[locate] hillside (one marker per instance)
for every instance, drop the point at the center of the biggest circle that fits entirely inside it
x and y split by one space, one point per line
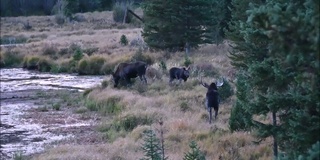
139 108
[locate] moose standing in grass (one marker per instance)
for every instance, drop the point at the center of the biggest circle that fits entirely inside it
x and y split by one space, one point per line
212 98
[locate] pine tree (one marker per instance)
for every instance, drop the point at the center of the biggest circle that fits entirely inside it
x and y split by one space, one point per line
279 55
195 153
170 25
151 146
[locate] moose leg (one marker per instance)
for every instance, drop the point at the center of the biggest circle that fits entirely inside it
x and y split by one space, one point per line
215 113
210 115
127 81
143 78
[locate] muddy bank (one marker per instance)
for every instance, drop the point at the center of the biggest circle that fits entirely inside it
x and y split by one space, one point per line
30 122
40 110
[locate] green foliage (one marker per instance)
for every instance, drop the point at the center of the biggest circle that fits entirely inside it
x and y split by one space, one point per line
122 125
105 107
312 154
104 84
240 119
139 56
276 48
184 106
37 63
123 40
195 153
18 156
151 146
187 61
71 7
170 25
56 106
44 65
225 91
10 59
77 55
91 65
129 122
163 65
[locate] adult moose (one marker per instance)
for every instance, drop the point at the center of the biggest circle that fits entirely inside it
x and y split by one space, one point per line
126 71
212 98
179 74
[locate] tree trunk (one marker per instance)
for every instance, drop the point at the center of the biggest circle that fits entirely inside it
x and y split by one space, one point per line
275 143
125 16
187 47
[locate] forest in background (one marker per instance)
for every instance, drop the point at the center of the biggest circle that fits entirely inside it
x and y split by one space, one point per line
13 8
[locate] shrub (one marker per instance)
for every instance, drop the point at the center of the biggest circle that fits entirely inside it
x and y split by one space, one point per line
187 61
184 106
152 73
77 54
26 25
60 19
56 106
129 122
105 107
141 87
91 66
122 125
163 65
32 63
63 51
139 56
50 51
107 68
83 66
44 65
96 63
123 40
138 42
68 65
10 59
90 51
79 18
37 63
104 83
225 91
73 48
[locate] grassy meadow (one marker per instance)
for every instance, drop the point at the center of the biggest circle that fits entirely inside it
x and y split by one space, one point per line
127 112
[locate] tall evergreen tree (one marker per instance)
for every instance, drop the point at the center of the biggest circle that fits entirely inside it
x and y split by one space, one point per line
279 54
173 24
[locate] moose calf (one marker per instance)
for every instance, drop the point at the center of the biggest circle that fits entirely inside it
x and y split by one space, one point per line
179 74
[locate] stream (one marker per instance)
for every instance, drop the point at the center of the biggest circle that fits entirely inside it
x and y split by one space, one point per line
24 128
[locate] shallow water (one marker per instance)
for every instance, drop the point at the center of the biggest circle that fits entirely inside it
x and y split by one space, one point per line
19 79
23 135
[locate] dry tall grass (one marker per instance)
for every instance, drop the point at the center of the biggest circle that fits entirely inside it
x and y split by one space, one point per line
181 107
